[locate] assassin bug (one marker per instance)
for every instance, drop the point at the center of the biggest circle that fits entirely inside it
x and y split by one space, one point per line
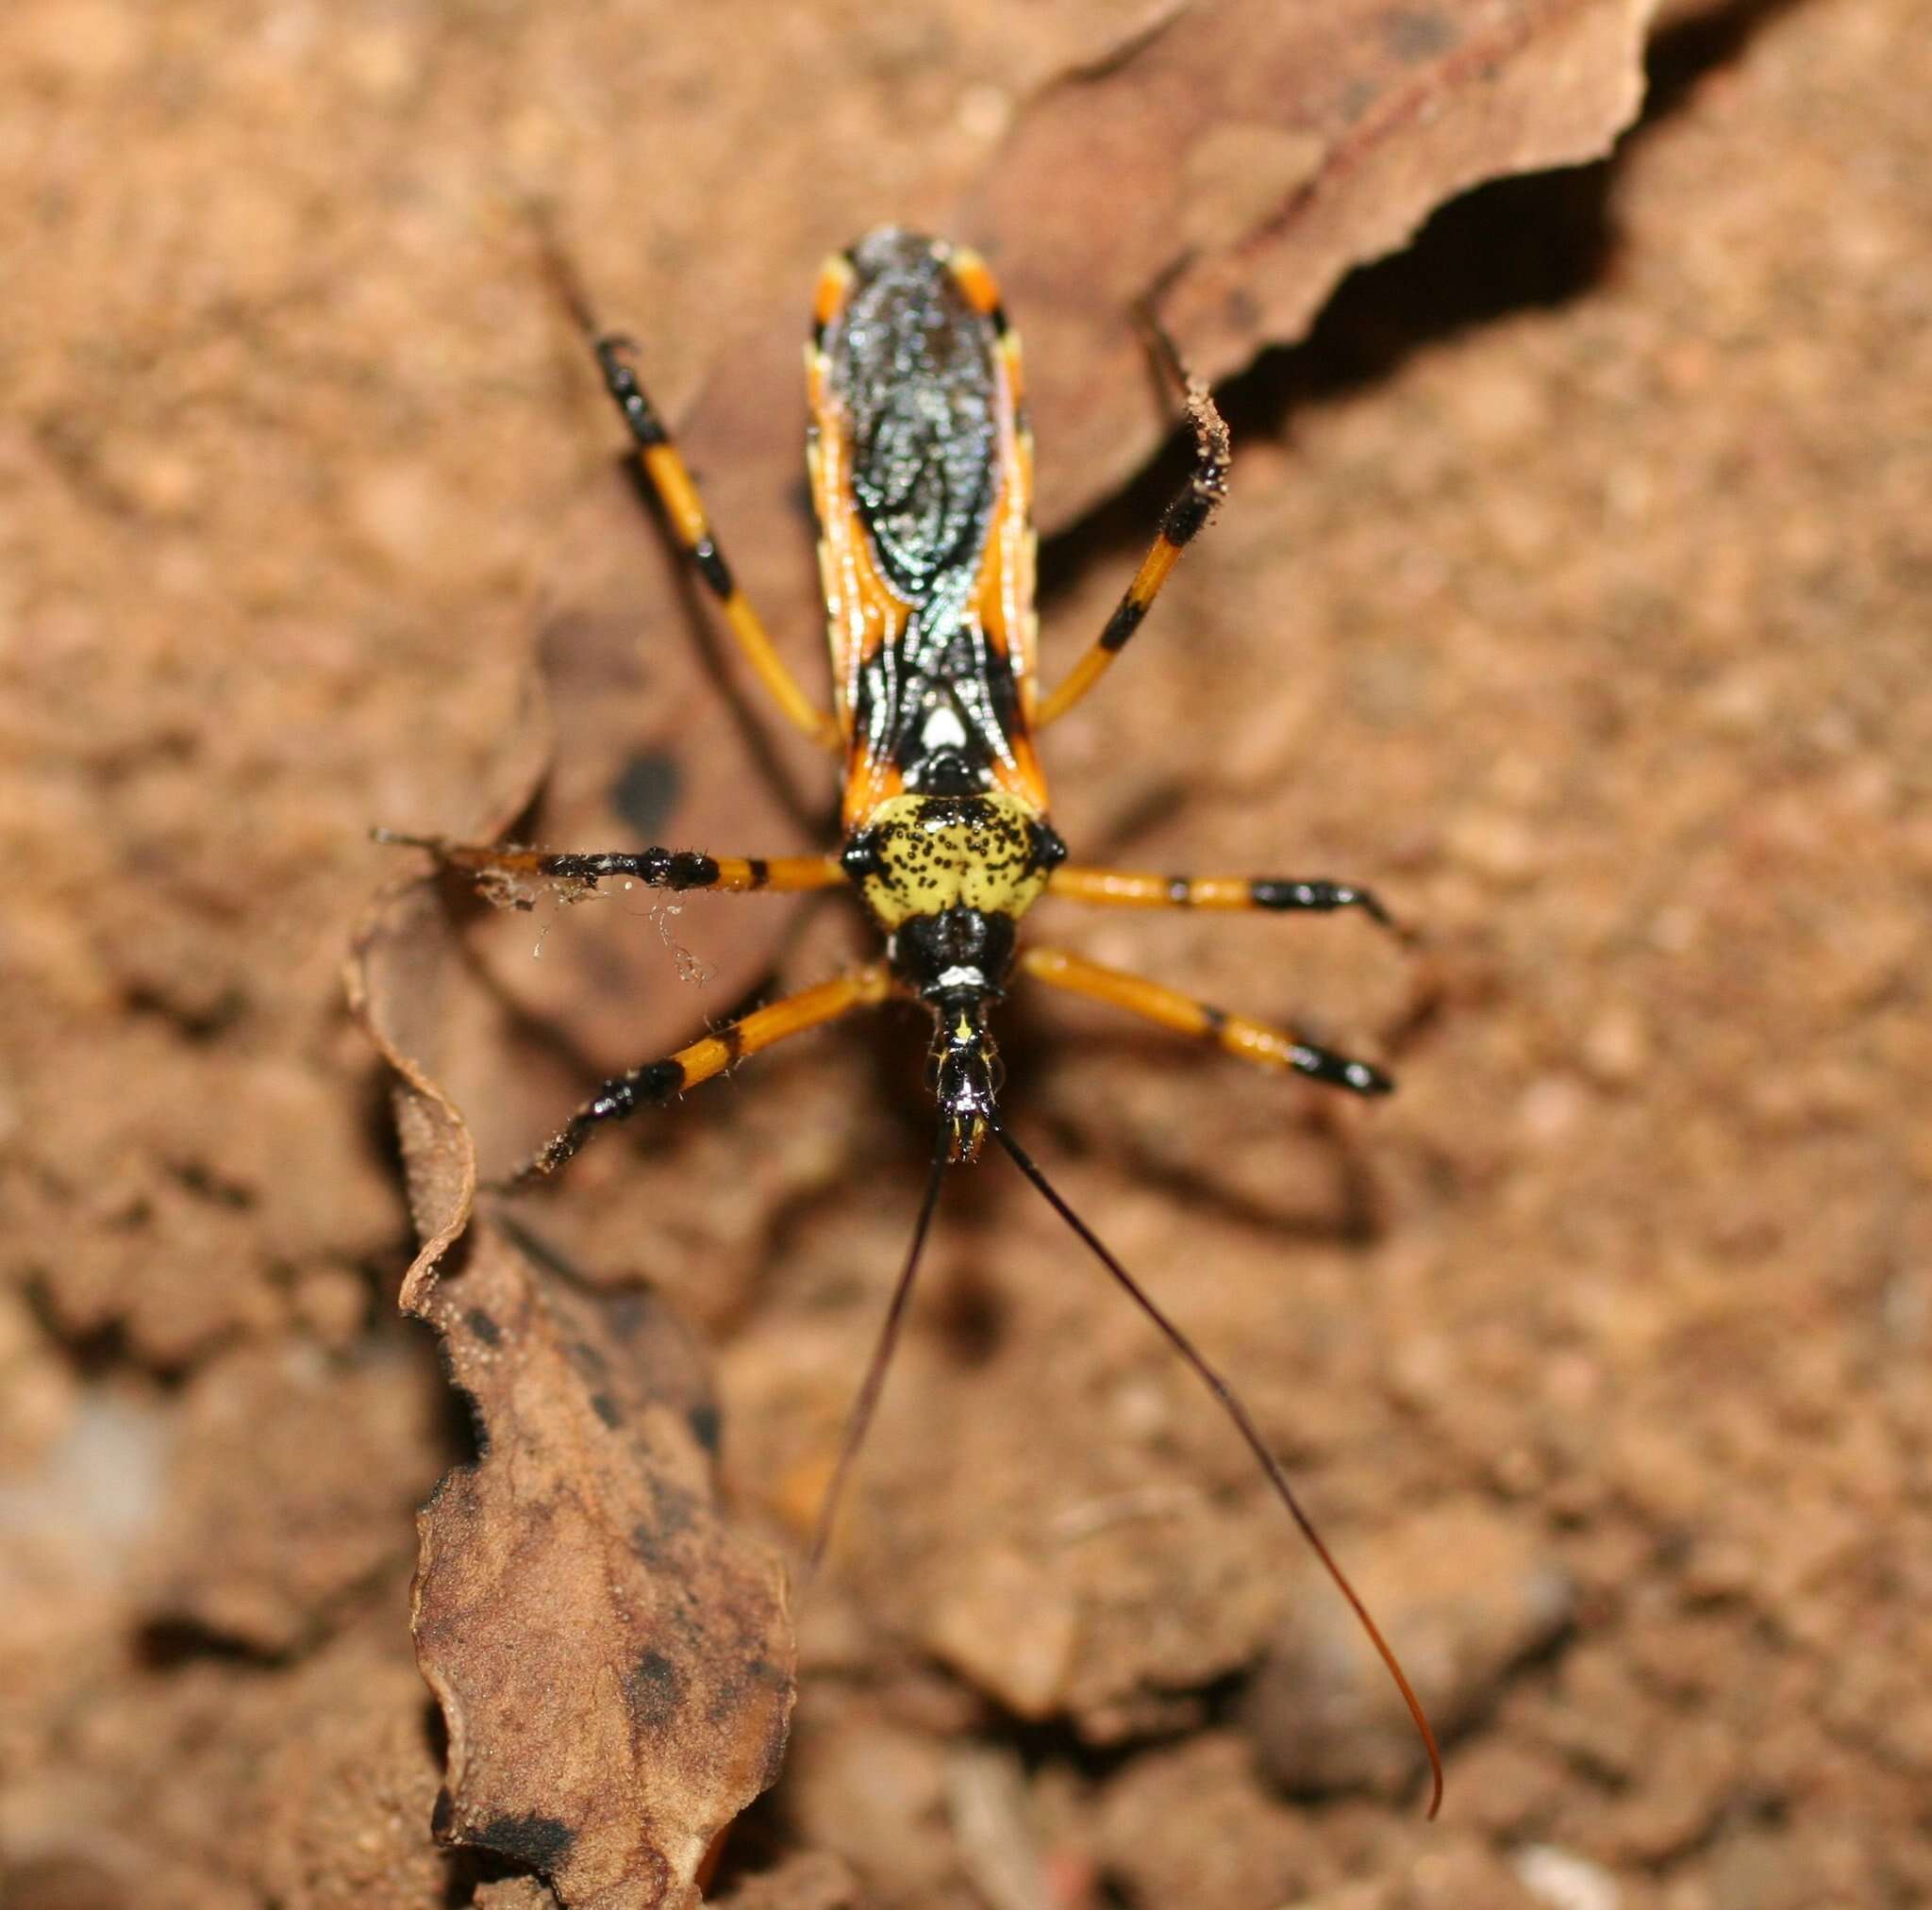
921 466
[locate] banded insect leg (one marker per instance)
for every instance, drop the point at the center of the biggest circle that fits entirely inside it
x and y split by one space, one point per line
670 479
1180 522
657 1082
1257 1042
507 872
1133 888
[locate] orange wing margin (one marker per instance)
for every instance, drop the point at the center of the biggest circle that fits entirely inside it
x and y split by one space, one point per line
864 612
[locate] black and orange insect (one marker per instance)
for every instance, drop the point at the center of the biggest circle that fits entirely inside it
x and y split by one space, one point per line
921 466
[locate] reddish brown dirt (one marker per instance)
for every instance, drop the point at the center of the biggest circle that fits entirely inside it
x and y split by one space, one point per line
1573 591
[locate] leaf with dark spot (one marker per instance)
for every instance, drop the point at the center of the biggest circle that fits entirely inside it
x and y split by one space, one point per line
646 792
651 1690
538 1843
612 1662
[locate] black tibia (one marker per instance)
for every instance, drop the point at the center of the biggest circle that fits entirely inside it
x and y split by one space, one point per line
622 382
1290 892
1128 615
654 868
505 872
1207 484
1338 1070
650 1085
1287 895
712 566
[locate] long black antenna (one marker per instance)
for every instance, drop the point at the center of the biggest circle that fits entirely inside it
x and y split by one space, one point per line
859 1420
1239 1414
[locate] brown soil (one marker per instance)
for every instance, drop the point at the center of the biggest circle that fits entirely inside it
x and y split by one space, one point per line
1574 593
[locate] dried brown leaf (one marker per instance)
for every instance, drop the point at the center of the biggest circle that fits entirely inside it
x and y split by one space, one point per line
404 984
614 1664
1239 160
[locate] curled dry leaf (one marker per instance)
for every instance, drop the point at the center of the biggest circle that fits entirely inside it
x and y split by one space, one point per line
613 1663
1238 161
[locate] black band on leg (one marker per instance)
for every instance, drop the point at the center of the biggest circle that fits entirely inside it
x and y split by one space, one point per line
650 1085
1291 893
1127 619
712 566
646 428
1184 516
655 868
1320 1064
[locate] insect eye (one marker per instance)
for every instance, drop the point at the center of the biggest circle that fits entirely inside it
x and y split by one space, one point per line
1049 847
861 857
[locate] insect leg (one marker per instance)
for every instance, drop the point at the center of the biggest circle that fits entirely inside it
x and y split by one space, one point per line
1131 889
1189 509
658 1082
1257 1041
505 872
670 478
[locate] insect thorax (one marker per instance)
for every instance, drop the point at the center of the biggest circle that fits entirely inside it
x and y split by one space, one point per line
947 878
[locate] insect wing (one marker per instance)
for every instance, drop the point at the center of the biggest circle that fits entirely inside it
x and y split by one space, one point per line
922 477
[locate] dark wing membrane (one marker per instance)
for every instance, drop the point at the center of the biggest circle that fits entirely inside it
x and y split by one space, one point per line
920 482
912 363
